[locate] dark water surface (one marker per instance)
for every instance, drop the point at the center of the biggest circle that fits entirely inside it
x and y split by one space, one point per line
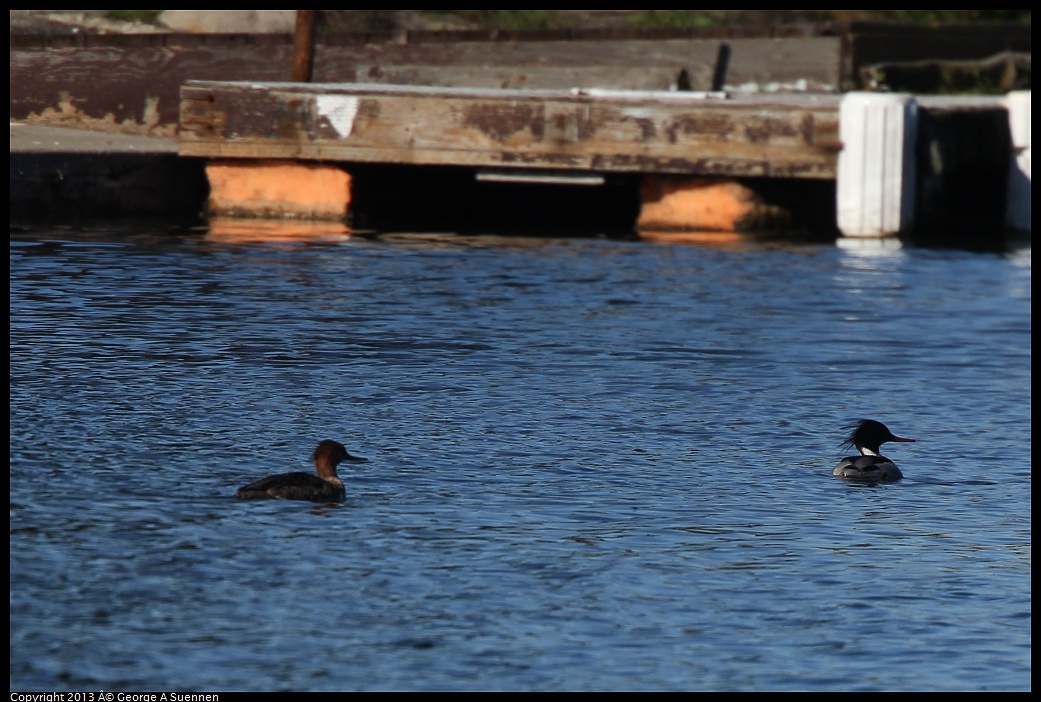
593 465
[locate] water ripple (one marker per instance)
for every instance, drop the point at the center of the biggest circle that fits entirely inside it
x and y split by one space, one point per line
594 465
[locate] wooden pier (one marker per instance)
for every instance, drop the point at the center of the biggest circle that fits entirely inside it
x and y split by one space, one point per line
700 156
678 143
702 134
640 113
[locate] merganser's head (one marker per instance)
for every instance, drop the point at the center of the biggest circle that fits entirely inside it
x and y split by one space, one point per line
868 435
330 454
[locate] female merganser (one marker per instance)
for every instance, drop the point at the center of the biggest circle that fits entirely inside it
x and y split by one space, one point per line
867 436
324 487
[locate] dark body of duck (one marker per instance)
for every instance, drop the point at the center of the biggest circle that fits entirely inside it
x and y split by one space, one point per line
868 436
326 486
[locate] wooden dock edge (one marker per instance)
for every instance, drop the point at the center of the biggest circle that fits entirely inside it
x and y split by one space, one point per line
926 167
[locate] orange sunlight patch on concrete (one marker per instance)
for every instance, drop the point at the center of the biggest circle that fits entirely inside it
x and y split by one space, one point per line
278 189
681 203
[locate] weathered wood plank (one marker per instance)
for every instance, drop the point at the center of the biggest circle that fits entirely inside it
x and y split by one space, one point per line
610 131
810 62
124 88
129 81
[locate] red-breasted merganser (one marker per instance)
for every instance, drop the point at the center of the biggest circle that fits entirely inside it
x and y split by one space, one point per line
868 436
324 487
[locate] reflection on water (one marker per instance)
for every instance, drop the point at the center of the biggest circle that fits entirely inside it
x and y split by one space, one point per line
594 464
239 231
869 247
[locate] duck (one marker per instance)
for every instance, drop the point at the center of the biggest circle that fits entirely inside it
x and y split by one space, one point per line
867 436
324 487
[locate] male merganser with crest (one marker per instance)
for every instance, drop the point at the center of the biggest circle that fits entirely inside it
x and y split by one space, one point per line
324 487
867 437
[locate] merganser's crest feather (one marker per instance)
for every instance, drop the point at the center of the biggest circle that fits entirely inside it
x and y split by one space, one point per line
868 436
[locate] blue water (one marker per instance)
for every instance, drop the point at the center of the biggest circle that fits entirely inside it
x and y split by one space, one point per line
594 465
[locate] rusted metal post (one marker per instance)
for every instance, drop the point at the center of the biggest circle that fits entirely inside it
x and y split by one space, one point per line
719 76
303 46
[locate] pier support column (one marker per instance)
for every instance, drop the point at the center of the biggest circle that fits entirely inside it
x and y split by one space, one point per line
278 190
684 203
875 186
1018 213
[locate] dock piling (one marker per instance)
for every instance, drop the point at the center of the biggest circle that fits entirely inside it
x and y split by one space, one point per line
875 185
1017 215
